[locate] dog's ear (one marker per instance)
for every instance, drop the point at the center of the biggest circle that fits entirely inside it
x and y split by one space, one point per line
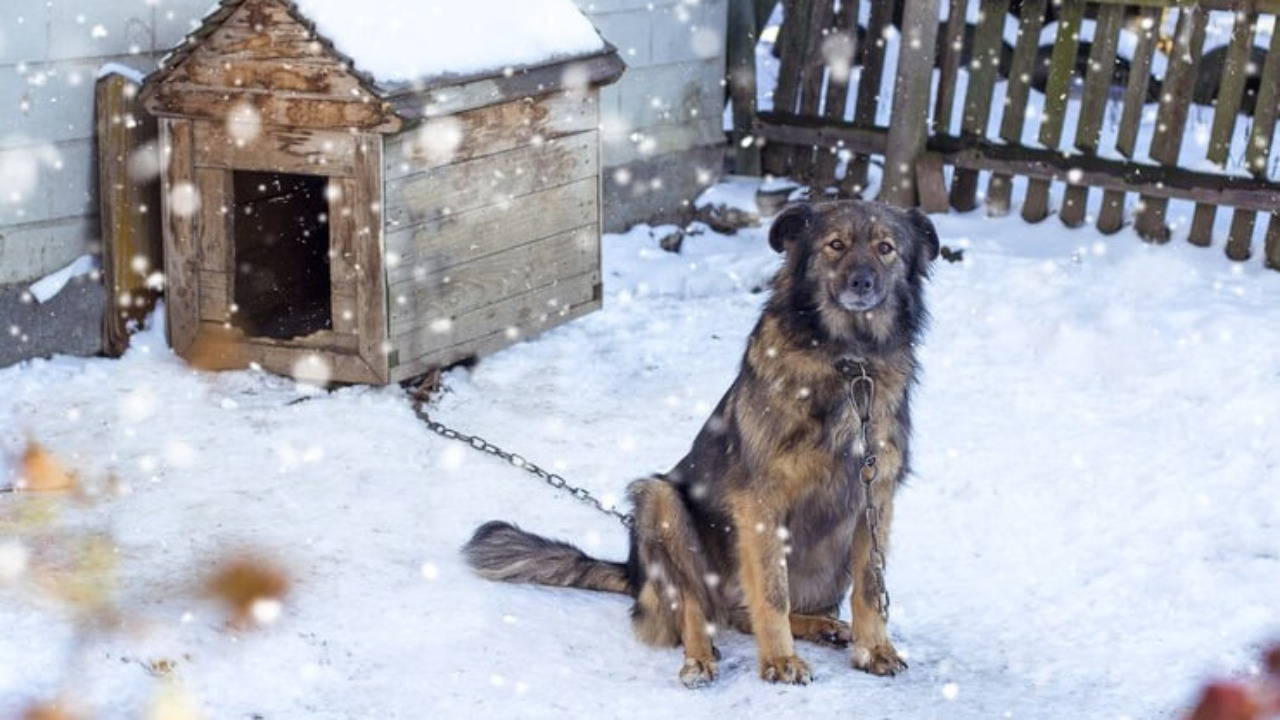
790 224
925 231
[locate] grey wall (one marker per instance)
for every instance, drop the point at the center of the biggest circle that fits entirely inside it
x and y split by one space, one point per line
662 122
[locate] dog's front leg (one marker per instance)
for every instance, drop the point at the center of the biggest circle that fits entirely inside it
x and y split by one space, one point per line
872 649
762 567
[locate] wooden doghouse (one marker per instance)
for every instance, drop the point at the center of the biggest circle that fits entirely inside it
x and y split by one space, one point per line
314 212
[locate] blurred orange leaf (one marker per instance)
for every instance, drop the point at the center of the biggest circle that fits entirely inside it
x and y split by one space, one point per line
41 471
251 588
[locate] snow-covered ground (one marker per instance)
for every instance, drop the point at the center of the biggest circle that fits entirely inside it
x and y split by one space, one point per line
1092 530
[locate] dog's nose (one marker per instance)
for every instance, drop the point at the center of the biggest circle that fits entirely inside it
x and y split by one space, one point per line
863 281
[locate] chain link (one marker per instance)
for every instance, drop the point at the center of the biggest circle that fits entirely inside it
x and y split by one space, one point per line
550 478
862 393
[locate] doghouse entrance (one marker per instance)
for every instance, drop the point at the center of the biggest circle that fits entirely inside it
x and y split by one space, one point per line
281 245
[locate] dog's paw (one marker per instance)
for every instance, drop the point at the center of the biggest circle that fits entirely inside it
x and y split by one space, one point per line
698 672
789 669
834 634
878 660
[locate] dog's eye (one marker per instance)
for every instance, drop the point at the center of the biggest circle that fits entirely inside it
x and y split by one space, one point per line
836 244
885 248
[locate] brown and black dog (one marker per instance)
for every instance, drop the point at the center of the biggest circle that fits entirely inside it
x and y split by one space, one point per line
762 525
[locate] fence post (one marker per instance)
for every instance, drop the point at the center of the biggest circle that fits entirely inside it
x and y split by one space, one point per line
743 33
909 122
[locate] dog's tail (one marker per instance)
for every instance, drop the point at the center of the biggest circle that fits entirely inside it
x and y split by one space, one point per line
502 551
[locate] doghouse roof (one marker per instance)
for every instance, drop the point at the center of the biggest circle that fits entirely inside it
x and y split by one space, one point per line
374 63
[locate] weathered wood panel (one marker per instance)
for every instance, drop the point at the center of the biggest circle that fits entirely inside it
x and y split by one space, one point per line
1111 214
458 238
179 215
456 289
872 56
216 256
301 151
447 340
129 206
907 136
977 101
1097 87
344 253
1014 117
371 279
439 142
1061 68
491 179
1171 119
1258 151
319 77
299 110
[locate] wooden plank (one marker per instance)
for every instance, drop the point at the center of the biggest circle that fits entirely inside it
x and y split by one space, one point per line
1097 88
1240 236
776 158
1230 93
179 214
319 76
869 84
344 255
1062 65
371 279
987 44
1111 214
1258 153
489 179
844 39
217 197
910 124
283 150
814 72
215 289
931 183
454 290
455 239
1014 117
129 208
952 47
1171 120
449 95
286 109
449 339
740 50
489 130
1272 254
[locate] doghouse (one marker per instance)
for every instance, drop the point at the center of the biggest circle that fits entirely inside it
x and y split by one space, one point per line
379 200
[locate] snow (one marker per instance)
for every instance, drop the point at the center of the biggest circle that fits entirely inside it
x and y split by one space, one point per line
1090 530
50 285
411 40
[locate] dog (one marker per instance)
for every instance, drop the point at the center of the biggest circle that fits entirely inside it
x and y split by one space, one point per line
763 526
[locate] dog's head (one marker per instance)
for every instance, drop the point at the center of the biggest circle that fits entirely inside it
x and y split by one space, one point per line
860 264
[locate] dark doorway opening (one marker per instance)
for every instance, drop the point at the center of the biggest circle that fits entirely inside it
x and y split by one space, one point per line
281 244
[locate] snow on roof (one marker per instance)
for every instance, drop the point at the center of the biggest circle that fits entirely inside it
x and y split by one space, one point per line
404 40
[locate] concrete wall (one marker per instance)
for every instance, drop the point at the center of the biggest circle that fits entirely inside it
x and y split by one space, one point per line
662 122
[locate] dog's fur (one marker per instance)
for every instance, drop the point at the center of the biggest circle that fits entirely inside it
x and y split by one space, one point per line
761 525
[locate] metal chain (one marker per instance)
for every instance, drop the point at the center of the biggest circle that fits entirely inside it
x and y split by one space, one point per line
552 479
869 472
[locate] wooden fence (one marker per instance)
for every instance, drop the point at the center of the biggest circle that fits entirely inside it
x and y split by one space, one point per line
823 120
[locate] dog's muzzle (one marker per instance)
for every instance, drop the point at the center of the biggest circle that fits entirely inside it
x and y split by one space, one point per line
862 292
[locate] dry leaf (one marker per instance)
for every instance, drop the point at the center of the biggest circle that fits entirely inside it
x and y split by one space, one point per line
42 472
251 588
52 710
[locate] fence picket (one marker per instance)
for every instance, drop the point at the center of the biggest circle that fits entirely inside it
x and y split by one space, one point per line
1061 69
1111 214
977 102
1171 119
1014 117
864 113
1258 152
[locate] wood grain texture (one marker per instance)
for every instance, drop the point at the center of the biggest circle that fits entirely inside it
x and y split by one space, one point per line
1111 214
129 208
286 150
987 43
1014 117
180 214
448 339
489 179
1062 65
459 238
1097 88
490 130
